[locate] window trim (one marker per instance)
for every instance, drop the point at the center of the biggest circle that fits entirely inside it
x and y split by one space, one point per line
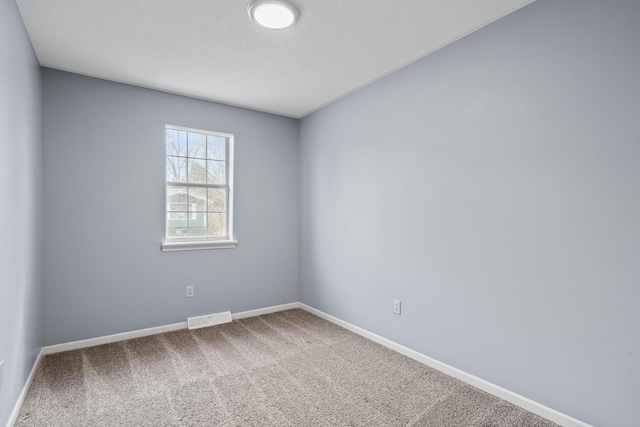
182 245
171 244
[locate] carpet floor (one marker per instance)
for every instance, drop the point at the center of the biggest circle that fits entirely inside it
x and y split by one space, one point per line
289 368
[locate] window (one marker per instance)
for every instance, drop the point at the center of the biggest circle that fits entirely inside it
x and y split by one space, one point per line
199 189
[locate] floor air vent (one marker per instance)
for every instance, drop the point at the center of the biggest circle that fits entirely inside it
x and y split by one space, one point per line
209 320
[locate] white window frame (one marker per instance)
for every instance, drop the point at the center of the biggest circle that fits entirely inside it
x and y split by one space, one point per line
185 243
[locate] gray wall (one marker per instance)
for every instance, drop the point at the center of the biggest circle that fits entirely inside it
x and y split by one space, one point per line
494 188
20 218
104 171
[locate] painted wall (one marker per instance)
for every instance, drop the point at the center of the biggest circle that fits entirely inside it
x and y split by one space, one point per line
494 188
104 201
20 163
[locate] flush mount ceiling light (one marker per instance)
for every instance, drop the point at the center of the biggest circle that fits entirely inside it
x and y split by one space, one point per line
273 14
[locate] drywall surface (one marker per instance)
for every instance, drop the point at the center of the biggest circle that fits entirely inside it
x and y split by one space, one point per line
494 188
104 204
20 183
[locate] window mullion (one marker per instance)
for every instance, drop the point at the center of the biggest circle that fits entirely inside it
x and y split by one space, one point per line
200 185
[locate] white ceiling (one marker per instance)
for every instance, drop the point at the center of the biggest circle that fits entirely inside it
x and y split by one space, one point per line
210 49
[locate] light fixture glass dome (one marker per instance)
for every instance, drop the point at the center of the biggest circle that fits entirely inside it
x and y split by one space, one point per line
273 14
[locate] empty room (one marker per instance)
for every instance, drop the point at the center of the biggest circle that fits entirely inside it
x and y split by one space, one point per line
320 213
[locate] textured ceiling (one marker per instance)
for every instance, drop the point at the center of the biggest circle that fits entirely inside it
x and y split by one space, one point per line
210 49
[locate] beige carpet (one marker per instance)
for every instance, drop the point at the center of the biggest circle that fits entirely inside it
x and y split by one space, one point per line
284 369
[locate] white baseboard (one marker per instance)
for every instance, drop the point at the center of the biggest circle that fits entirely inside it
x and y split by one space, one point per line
23 394
518 400
107 339
266 310
74 345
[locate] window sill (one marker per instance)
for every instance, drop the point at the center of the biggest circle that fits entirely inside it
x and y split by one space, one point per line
198 245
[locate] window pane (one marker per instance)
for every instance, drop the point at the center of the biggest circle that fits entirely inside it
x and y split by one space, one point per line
197 145
198 224
197 199
197 171
176 210
176 231
176 169
216 172
217 201
176 143
216 146
177 216
176 195
217 224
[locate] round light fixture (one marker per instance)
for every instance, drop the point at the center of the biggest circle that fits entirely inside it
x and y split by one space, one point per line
273 14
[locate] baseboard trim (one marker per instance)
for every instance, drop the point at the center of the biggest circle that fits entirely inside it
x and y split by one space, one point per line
107 339
511 397
266 310
25 389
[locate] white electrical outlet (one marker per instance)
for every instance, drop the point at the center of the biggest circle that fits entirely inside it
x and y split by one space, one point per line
396 306
1 372
189 291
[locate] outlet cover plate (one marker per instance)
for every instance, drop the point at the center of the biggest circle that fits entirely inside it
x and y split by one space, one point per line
396 306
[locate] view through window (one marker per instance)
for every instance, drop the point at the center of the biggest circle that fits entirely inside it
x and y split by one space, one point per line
198 190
